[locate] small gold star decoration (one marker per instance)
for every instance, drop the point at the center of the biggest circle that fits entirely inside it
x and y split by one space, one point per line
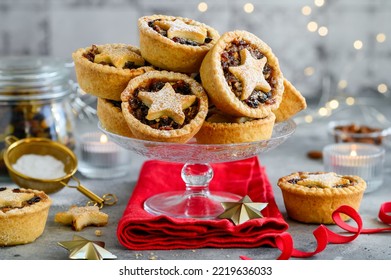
181 29
250 73
242 211
166 102
84 249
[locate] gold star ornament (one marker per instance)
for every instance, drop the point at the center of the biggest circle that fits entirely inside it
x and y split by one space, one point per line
242 211
250 73
166 102
84 249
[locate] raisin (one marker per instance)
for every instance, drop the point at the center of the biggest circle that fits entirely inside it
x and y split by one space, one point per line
33 200
2 189
293 181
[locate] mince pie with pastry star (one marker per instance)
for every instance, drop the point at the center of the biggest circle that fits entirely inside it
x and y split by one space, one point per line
23 215
312 197
105 70
242 76
175 43
164 106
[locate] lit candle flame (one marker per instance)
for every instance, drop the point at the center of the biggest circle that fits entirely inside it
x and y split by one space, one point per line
103 138
353 152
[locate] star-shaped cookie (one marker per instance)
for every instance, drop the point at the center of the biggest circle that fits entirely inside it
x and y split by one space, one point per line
118 56
179 28
250 73
80 217
166 102
242 211
323 180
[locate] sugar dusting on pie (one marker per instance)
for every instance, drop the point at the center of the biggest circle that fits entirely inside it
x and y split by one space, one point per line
179 28
323 180
9 198
118 56
250 73
166 102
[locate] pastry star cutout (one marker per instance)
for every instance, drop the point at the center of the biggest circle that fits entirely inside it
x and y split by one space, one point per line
84 249
80 217
14 199
179 28
242 211
166 102
118 56
323 180
250 73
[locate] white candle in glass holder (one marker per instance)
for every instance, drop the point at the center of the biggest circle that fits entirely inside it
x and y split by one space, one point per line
101 158
363 160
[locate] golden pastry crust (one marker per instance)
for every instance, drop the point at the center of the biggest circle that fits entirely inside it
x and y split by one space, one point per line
312 197
23 215
292 103
111 117
222 130
179 133
102 80
80 217
164 53
222 93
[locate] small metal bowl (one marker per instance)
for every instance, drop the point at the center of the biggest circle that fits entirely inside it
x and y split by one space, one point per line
39 146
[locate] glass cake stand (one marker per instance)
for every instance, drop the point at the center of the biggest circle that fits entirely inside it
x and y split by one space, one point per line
196 200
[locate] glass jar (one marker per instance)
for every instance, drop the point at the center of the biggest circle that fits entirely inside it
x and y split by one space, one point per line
35 100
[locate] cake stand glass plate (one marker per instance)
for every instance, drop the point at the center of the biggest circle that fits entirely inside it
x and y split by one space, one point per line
196 200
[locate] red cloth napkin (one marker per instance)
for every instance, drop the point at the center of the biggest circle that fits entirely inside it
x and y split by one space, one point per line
139 230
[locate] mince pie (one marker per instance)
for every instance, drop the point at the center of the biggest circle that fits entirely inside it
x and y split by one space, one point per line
292 102
242 75
164 106
312 197
175 43
110 115
23 215
220 128
105 70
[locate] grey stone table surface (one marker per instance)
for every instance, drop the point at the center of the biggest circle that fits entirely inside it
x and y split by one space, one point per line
289 157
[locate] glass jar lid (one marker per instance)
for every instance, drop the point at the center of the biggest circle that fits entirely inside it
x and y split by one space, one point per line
33 78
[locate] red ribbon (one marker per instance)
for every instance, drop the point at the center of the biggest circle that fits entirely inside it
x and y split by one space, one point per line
324 236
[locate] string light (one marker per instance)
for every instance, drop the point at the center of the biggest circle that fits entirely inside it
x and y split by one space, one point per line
308 119
323 111
312 26
323 31
382 88
342 84
248 8
350 101
319 3
202 7
309 71
333 104
306 10
358 44
381 38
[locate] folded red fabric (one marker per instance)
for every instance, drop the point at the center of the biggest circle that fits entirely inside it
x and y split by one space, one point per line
139 230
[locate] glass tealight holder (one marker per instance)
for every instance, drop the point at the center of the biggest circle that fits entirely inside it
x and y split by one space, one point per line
363 160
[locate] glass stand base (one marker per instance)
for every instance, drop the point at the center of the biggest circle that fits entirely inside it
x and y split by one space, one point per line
179 205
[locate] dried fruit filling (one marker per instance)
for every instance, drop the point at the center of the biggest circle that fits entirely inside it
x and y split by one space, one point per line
294 181
153 24
93 51
140 110
231 57
31 201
